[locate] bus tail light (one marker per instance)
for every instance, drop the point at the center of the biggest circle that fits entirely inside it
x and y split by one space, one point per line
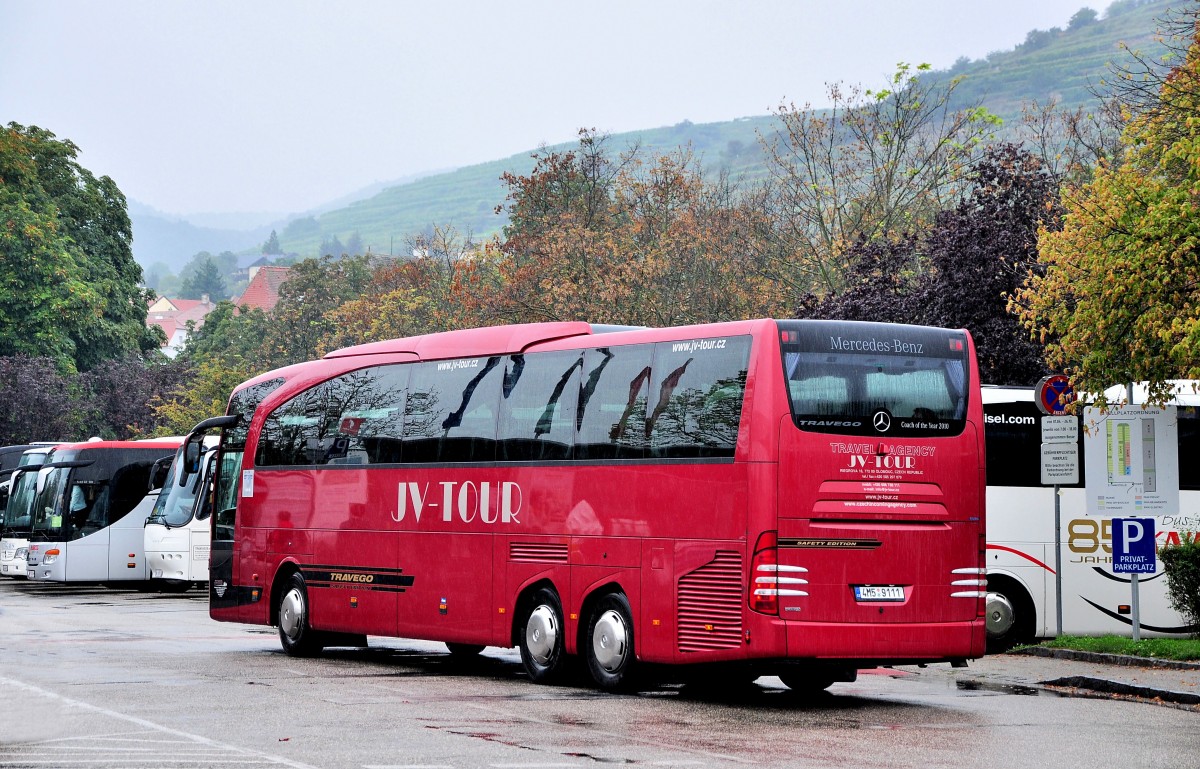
970 583
50 556
764 575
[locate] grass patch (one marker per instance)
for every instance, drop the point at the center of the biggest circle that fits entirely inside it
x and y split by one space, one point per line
1156 648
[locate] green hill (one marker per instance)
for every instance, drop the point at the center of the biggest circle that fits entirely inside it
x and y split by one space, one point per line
1066 64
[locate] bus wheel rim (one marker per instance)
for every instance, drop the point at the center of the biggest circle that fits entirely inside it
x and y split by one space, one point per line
291 613
1000 615
610 641
541 634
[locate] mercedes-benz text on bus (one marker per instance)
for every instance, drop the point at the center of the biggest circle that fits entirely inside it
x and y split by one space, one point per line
87 523
797 498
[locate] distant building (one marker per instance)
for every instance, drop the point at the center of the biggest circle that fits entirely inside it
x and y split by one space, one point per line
173 315
263 290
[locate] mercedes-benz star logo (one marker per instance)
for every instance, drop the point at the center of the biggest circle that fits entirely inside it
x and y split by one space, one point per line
882 421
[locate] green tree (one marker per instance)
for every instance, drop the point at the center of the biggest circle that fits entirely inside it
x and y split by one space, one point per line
314 288
875 163
1118 295
272 247
204 280
71 286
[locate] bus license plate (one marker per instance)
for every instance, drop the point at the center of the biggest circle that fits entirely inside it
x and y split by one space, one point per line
878 593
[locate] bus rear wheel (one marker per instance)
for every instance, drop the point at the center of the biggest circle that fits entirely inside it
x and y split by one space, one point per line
463 651
609 645
543 647
810 680
295 634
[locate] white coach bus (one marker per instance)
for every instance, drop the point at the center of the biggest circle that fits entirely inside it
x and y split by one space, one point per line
1020 533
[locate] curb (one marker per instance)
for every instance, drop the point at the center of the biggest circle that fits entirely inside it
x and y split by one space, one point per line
1106 659
1104 686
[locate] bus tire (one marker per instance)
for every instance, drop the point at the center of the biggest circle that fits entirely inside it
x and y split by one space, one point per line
807 681
295 633
541 639
464 650
1010 615
609 645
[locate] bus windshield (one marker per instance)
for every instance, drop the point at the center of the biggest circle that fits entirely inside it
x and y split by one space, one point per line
869 379
48 523
176 503
18 514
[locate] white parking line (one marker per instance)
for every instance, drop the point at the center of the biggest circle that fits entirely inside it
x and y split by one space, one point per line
245 755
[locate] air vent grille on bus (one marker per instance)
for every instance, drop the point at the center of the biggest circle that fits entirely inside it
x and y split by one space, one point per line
538 552
710 605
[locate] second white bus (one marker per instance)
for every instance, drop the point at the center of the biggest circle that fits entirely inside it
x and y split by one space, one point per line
1021 569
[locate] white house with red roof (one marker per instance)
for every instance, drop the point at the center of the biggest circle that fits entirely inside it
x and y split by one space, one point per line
173 316
263 290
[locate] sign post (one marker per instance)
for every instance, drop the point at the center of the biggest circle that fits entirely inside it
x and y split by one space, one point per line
1060 465
1133 554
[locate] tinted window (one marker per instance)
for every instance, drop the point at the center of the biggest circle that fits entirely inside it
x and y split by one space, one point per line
538 405
612 403
874 379
243 403
355 418
1013 433
1189 447
696 396
451 410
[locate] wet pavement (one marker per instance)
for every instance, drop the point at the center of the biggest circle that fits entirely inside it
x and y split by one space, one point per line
1088 674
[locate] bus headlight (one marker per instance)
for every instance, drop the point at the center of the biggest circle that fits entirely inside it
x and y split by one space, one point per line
51 556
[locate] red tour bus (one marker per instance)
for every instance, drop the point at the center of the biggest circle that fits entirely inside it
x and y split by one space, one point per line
793 498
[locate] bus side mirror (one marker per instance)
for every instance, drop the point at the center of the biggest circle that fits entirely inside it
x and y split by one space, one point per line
207 492
191 456
193 445
159 471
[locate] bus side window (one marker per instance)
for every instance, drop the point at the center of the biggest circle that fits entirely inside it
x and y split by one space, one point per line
1013 437
1189 447
538 406
353 418
614 390
450 414
696 397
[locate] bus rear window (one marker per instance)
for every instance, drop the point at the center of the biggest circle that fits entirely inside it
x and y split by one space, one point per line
873 379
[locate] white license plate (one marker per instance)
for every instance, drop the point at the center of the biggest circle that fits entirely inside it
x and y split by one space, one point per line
878 593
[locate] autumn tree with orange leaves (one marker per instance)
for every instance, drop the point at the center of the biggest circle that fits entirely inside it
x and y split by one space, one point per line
601 237
1119 298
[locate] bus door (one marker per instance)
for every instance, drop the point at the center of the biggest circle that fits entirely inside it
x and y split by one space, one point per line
86 558
223 595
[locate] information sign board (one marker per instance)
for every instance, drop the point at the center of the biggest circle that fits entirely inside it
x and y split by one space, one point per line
1126 472
1060 429
1060 464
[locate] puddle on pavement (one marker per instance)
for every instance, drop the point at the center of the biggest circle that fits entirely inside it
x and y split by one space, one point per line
973 685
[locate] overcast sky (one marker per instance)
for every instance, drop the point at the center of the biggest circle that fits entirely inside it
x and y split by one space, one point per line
254 105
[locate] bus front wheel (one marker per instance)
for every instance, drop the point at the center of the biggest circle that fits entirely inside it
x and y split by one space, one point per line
609 643
543 647
295 634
